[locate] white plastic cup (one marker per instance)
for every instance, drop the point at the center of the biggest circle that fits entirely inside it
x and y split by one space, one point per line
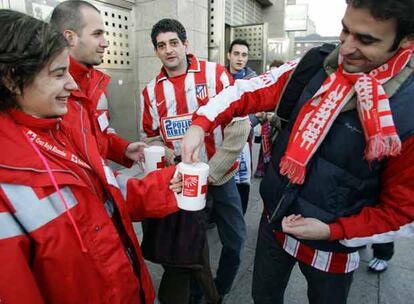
193 195
154 158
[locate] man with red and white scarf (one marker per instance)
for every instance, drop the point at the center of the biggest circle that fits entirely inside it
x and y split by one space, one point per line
342 171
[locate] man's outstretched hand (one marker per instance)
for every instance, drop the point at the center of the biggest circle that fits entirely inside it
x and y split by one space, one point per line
305 228
135 151
191 143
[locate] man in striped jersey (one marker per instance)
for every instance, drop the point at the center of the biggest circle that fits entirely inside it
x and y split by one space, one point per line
167 103
342 170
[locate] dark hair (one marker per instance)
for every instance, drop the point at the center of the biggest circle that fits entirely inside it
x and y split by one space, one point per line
27 45
168 25
238 41
400 10
68 15
276 63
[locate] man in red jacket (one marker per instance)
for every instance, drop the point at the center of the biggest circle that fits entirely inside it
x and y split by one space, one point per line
82 25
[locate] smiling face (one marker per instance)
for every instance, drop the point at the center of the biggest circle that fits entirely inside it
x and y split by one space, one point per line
238 57
172 52
88 46
48 94
366 41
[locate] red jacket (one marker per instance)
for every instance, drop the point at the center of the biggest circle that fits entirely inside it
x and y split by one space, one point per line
93 96
391 217
40 252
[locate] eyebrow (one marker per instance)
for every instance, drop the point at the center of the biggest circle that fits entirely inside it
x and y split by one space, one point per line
361 36
98 31
171 40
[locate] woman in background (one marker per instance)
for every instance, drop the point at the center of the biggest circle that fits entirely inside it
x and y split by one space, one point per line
65 219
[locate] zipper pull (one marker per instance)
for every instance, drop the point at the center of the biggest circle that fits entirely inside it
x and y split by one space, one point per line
59 120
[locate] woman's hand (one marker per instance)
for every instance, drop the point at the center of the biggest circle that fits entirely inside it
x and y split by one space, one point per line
176 183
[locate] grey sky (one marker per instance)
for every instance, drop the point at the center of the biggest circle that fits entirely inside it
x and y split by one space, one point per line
327 15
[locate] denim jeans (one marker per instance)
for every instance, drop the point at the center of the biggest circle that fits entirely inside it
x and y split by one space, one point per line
228 215
272 269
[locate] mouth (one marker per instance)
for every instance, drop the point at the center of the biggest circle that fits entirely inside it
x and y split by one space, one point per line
353 61
62 99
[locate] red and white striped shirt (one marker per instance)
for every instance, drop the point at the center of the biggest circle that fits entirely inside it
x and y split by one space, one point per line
167 104
328 261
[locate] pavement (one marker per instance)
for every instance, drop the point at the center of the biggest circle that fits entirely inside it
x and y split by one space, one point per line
394 286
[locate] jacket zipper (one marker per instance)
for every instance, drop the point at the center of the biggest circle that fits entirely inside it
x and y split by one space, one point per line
97 84
279 203
86 150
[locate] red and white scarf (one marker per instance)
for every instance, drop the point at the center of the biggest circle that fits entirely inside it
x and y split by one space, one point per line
318 114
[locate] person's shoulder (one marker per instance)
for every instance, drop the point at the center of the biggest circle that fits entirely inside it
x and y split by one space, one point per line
250 73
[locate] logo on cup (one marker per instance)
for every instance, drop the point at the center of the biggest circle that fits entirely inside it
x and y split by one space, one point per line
190 187
161 164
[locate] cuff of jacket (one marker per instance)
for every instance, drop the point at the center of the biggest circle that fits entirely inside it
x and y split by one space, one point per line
225 178
336 232
203 122
116 151
224 161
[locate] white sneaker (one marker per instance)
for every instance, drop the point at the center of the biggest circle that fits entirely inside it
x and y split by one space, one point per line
377 265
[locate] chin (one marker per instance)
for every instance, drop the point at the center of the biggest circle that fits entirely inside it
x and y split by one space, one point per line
352 68
61 112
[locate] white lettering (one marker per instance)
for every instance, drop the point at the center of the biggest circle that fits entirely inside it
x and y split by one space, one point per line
318 121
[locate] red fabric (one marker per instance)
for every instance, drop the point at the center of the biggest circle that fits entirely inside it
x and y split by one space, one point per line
92 85
318 114
258 94
167 97
45 264
396 202
333 262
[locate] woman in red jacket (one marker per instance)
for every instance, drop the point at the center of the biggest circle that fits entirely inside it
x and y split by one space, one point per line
65 219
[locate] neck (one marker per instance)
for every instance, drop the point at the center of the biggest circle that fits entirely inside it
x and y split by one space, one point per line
234 71
180 70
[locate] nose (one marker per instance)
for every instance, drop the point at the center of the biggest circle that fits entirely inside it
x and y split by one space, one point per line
104 43
168 48
348 45
70 84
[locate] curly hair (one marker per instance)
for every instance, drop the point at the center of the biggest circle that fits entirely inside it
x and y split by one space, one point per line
168 25
400 10
26 47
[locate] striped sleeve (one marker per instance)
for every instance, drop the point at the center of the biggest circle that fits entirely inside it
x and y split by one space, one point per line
393 217
149 125
257 94
224 78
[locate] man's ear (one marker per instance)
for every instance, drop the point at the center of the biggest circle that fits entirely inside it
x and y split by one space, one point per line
228 56
186 45
407 41
71 37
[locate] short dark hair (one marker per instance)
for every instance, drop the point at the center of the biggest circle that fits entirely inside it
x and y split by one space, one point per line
26 47
239 41
168 25
400 10
68 15
276 63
